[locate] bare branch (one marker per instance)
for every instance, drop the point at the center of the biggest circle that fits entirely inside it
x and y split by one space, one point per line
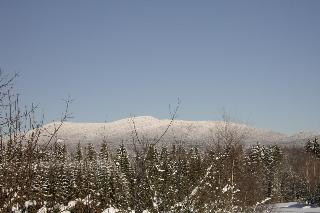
65 116
173 117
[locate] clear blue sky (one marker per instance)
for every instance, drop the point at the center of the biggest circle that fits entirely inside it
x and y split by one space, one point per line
260 60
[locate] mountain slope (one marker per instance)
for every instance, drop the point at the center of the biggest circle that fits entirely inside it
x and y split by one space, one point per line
199 133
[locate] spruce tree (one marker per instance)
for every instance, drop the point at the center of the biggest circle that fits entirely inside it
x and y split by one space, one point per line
104 178
126 176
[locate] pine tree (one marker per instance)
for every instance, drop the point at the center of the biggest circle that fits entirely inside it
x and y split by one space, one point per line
313 147
165 179
91 153
126 177
105 192
64 181
79 155
152 177
77 180
104 155
194 171
90 173
181 173
38 183
255 181
141 194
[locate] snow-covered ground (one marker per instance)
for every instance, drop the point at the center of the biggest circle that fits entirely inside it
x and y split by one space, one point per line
291 207
270 208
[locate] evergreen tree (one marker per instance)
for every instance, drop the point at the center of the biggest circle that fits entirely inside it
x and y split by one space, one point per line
79 154
194 171
126 177
91 153
141 193
90 172
105 193
166 191
313 147
104 154
77 174
254 183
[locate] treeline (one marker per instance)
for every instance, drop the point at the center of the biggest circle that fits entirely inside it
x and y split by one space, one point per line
225 178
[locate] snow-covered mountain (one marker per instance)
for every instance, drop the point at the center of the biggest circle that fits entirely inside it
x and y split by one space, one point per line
198 133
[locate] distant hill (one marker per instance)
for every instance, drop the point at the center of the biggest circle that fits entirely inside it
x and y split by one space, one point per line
190 133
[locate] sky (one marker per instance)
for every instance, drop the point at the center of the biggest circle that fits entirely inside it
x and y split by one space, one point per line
257 60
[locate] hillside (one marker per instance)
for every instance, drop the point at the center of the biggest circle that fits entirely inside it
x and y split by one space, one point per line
198 133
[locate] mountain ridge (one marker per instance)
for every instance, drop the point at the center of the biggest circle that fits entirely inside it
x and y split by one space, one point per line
149 128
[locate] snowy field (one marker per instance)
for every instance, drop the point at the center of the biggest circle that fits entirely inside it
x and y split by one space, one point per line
291 207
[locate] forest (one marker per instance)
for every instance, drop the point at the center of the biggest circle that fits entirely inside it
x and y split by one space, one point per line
227 176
